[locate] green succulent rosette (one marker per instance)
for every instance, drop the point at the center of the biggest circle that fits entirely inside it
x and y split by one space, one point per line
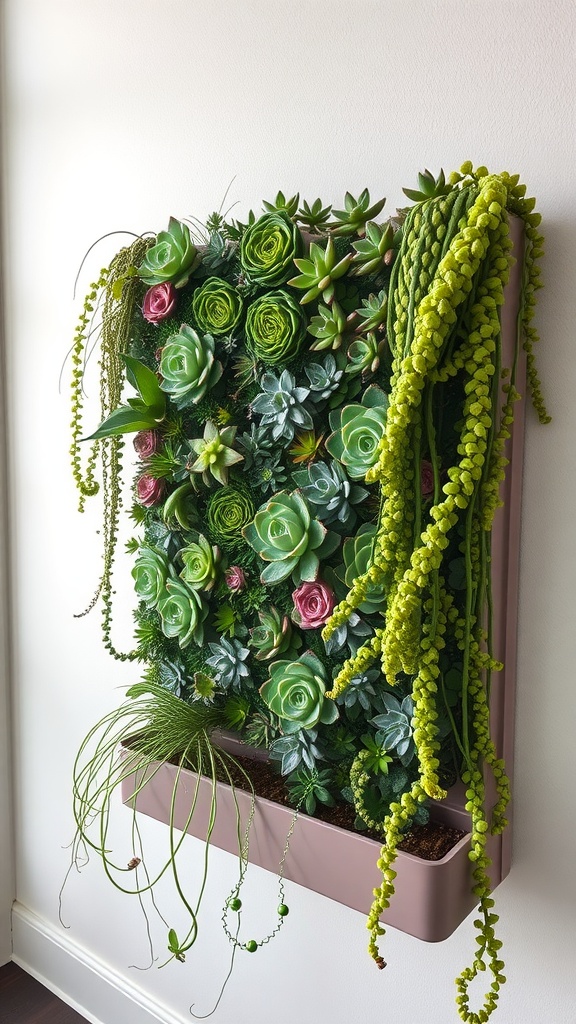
200 564
150 573
273 636
217 306
357 432
268 248
275 328
295 692
172 258
229 510
182 612
358 553
188 366
285 535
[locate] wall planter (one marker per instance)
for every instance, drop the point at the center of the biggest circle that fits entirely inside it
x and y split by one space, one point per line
323 416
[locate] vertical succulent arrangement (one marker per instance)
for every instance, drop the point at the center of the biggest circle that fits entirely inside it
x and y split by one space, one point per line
319 413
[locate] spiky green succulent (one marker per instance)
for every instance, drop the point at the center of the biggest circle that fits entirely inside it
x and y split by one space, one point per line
330 493
314 217
353 219
374 251
213 454
295 692
285 535
275 328
217 306
287 206
328 327
188 366
173 258
227 661
201 560
319 272
273 636
373 311
281 406
268 247
429 187
364 355
358 430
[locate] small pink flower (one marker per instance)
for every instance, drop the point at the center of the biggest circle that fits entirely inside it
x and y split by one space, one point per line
146 443
313 604
235 579
159 302
150 491
426 479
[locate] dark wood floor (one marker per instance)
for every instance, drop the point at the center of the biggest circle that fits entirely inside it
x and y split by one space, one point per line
23 1000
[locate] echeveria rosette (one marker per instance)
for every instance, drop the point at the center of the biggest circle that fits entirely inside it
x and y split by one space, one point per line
327 488
296 691
150 573
273 636
285 535
281 406
214 453
150 490
201 561
275 328
358 552
229 510
227 660
182 612
159 302
358 430
188 366
217 306
268 248
313 604
173 258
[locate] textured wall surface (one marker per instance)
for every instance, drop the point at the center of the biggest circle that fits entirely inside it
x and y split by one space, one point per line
122 112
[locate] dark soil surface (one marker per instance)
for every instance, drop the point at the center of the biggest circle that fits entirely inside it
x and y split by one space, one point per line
429 842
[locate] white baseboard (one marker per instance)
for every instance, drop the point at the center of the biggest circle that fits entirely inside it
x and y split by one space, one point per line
78 978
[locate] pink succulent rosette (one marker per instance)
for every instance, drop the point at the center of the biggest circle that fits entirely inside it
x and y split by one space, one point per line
235 579
313 604
159 302
146 443
150 491
426 479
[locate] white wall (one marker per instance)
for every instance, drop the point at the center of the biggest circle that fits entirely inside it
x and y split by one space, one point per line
121 112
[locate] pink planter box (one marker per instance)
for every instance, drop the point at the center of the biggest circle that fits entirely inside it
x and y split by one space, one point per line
432 897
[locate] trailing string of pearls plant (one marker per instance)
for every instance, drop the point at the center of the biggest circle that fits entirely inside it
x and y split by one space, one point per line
321 416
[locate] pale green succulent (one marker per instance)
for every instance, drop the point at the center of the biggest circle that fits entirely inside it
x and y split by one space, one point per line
364 354
329 491
374 251
323 378
182 612
373 312
430 187
395 726
284 534
353 219
214 453
328 327
281 406
188 366
319 272
180 509
273 636
173 258
201 560
217 306
358 430
268 247
150 573
296 691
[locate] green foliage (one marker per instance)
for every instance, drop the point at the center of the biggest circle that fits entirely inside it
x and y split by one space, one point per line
308 787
